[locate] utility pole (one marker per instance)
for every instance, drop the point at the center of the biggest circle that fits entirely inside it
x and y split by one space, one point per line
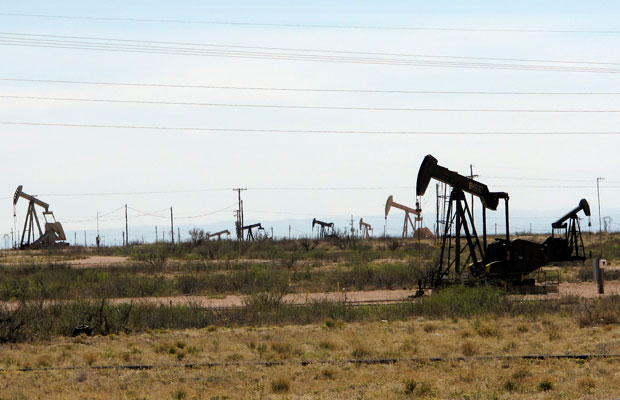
156 237
289 232
437 209
98 240
472 176
85 245
75 238
352 229
171 226
179 235
126 228
239 212
598 195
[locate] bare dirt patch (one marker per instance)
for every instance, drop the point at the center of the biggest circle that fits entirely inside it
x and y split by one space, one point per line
97 261
294 298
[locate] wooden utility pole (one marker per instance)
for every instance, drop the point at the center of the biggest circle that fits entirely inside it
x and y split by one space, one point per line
179 235
156 237
171 226
126 228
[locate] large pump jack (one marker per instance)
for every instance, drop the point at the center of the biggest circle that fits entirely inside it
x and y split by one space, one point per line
459 221
503 260
326 228
408 210
53 234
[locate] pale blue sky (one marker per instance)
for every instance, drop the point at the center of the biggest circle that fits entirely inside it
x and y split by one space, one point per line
59 160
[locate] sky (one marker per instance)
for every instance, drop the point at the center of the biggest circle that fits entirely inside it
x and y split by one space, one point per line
297 163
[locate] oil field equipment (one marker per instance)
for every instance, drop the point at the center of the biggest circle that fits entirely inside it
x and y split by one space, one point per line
568 244
250 231
53 233
365 229
503 261
326 229
408 210
218 234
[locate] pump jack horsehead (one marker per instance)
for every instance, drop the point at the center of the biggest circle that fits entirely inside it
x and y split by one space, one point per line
408 210
53 235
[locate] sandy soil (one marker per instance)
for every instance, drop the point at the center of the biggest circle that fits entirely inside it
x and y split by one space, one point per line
97 261
588 289
294 298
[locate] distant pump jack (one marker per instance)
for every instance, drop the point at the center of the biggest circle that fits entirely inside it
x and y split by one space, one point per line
326 229
53 234
408 210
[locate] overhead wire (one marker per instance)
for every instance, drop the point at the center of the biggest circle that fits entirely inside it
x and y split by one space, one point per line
306 25
304 131
299 89
296 54
302 50
303 107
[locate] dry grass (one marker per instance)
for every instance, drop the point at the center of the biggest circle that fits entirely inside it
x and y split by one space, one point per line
291 344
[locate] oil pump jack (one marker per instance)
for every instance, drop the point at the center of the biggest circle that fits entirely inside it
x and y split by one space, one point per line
408 210
218 234
503 260
365 229
568 245
326 228
53 233
250 231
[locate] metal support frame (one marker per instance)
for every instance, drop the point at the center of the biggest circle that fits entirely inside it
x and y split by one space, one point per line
459 221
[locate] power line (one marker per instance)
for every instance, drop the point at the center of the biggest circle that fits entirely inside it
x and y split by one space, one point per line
258 188
29 36
110 41
300 25
295 54
279 131
290 89
521 178
303 107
